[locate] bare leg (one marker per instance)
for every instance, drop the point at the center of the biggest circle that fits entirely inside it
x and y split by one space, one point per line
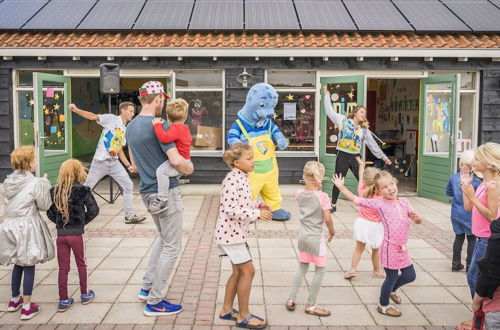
356 256
244 286
231 286
376 261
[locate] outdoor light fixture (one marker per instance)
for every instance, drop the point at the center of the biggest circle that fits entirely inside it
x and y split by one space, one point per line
244 78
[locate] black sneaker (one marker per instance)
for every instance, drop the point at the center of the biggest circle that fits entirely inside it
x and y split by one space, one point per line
333 209
456 267
134 219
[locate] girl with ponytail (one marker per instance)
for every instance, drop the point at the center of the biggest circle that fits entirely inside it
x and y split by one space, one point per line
316 229
73 207
368 228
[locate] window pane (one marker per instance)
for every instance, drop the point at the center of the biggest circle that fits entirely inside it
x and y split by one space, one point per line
344 98
465 122
26 117
25 78
467 80
198 79
204 119
280 79
437 122
54 120
295 118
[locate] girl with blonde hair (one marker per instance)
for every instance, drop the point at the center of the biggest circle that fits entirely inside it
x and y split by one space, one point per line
316 229
25 239
72 209
367 228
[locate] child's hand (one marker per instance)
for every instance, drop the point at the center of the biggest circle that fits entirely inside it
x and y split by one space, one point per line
45 175
73 107
325 90
468 190
388 162
361 163
330 235
264 206
415 218
266 215
338 180
465 175
158 121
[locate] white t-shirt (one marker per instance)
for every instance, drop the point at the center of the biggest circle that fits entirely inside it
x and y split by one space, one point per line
112 138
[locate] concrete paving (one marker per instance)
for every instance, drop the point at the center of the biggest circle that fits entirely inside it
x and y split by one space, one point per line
117 254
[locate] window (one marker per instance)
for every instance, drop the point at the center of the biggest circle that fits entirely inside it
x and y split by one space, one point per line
204 92
26 107
295 111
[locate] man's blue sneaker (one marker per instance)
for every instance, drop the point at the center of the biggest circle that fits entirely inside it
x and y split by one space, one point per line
87 298
143 295
65 304
162 308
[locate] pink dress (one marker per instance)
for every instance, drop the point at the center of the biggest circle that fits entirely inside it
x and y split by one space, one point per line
396 220
313 232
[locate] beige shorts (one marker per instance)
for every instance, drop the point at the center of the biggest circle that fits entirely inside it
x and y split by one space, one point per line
237 253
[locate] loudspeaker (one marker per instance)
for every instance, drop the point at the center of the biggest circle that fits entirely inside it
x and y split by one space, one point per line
110 78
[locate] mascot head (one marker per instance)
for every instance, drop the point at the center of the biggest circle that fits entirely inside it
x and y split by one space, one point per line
261 100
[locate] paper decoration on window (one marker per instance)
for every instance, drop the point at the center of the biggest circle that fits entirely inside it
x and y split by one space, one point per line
289 97
290 111
46 111
58 133
49 92
56 96
62 118
53 129
31 102
56 107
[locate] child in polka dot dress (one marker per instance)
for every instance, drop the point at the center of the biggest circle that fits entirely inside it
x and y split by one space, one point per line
396 214
237 211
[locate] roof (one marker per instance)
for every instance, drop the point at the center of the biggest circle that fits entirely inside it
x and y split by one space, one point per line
252 15
22 39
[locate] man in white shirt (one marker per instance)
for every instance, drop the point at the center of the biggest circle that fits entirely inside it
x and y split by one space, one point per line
109 150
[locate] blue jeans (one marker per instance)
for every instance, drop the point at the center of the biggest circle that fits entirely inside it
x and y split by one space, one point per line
473 273
393 281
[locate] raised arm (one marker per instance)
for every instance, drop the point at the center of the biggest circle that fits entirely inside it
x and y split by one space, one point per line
336 118
179 162
490 210
374 148
85 114
338 181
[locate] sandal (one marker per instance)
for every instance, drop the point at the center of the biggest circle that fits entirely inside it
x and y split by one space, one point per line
394 297
350 274
378 274
229 316
290 305
465 325
388 310
244 323
318 311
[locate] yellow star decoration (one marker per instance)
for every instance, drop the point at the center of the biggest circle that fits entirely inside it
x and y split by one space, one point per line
289 97
58 133
46 111
31 102
56 107
404 161
56 96
351 95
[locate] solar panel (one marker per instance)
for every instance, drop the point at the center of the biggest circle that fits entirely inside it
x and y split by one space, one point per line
323 15
15 13
430 15
480 15
60 14
165 14
219 15
376 15
112 14
270 15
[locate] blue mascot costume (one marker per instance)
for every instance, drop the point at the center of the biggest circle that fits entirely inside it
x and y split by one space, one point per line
255 127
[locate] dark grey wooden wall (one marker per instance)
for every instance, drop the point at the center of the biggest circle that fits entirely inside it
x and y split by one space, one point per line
213 169
490 107
6 122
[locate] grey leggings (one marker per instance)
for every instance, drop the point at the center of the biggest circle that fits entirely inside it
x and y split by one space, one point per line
319 272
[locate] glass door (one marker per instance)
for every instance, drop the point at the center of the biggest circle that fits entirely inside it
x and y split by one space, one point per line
52 122
437 149
345 93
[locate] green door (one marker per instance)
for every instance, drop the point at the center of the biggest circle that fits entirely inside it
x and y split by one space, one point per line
437 154
346 93
52 122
